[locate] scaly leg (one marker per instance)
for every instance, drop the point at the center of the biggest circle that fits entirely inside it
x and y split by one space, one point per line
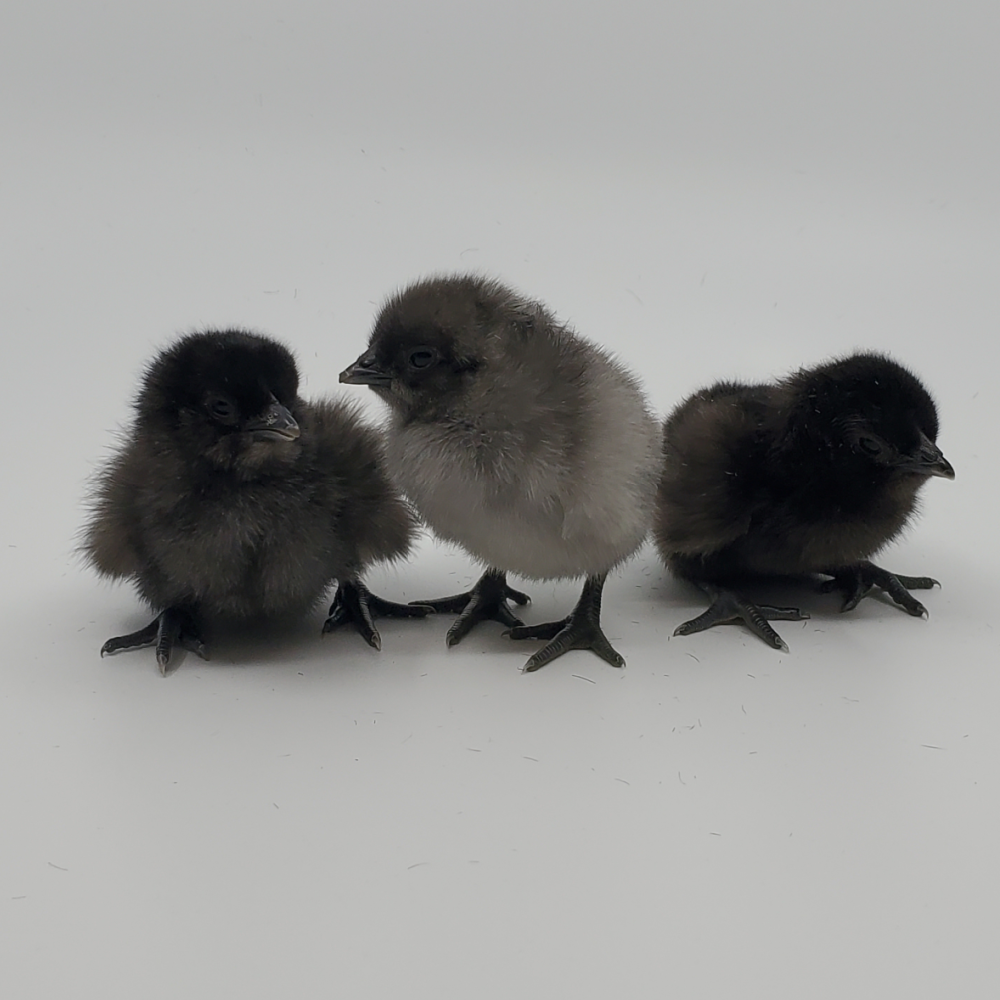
855 582
580 629
729 608
486 601
171 627
355 603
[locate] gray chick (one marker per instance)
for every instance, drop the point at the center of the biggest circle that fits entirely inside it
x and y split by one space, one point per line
232 498
515 438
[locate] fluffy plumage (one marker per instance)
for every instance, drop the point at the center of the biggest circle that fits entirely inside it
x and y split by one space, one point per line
813 474
518 440
233 498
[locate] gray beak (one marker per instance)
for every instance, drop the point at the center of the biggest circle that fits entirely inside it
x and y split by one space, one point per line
929 461
274 424
365 371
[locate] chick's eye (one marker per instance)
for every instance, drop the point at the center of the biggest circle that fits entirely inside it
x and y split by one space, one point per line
221 408
870 446
422 358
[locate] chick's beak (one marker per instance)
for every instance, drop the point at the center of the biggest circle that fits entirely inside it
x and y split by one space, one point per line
275 423
929 461
365 371
941 467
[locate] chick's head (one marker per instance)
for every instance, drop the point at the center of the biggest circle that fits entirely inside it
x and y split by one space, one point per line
229 398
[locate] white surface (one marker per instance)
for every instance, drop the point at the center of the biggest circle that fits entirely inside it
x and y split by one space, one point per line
723 189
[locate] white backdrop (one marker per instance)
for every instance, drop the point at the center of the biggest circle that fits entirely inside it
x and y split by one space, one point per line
712 189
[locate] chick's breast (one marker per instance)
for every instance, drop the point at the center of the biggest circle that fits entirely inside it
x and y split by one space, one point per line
562 486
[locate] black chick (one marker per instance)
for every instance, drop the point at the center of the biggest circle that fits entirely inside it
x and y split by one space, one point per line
232 498
518 440
813 474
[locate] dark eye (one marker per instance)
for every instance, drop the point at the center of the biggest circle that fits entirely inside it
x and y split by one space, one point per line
222 408
423 357
870 446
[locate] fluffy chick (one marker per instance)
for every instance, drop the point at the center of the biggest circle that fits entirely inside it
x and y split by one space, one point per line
232 498
814 474
518 440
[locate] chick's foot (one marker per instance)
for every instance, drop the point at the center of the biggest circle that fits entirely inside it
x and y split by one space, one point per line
486 601
855 582
728 608
355 603
172 627
581 629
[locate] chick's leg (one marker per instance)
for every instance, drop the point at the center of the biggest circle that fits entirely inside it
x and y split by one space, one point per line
855 582
729 608
172 627
355 603
486 601
581 629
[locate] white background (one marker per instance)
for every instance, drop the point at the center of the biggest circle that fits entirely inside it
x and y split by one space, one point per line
711 189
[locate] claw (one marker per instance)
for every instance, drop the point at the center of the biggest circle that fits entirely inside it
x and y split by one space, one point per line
581 629
355 603
486 601
172 627
856 582
728 608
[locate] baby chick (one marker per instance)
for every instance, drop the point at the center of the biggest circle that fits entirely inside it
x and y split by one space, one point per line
518 440
232 498
813 474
